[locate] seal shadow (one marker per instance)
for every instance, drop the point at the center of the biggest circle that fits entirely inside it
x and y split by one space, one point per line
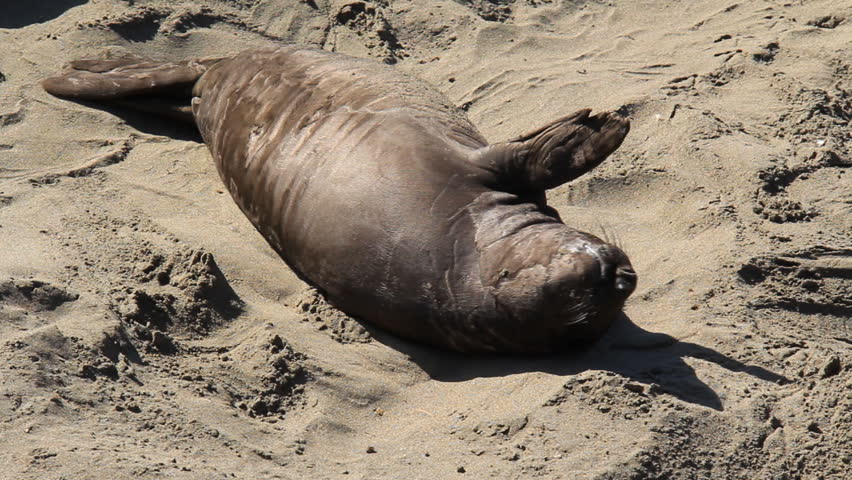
626 349
146 122
22 14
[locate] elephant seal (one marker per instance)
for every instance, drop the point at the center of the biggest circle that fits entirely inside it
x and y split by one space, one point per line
377 191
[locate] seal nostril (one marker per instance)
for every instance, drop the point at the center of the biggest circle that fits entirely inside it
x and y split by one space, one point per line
625 280
623 285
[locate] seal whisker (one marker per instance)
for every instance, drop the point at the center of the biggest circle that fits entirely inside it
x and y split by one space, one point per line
579 319
580 312
604 232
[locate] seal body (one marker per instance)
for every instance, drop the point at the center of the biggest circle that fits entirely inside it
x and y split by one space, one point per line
377 191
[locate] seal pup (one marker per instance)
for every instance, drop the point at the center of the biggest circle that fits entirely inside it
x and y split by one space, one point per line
374 189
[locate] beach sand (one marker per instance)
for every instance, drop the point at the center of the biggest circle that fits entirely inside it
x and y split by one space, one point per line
148 331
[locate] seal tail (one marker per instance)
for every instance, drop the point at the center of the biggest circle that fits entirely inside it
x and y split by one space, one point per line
138 83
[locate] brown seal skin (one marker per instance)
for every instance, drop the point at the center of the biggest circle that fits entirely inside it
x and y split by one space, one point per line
377 191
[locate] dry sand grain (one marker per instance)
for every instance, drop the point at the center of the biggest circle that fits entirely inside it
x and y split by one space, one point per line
147 331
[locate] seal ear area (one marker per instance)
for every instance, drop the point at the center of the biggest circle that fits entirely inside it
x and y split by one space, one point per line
555 153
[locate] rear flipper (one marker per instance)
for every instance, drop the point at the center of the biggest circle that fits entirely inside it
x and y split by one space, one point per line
554 154
163 88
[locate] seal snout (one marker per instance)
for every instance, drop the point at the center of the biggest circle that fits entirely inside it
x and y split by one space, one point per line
625 280
617 274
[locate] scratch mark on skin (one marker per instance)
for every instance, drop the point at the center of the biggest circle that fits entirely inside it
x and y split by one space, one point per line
450 183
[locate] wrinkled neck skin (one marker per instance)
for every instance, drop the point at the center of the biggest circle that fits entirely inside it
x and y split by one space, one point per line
548 281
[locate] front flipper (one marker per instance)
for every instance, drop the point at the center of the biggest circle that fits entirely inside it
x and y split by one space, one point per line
556 153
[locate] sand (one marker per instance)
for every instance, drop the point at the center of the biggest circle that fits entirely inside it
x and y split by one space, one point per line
147 331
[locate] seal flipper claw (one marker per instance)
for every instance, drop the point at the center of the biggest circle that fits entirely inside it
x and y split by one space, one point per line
556 153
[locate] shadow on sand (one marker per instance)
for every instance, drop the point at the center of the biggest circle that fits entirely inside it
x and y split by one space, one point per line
149 123
19 14
626 349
